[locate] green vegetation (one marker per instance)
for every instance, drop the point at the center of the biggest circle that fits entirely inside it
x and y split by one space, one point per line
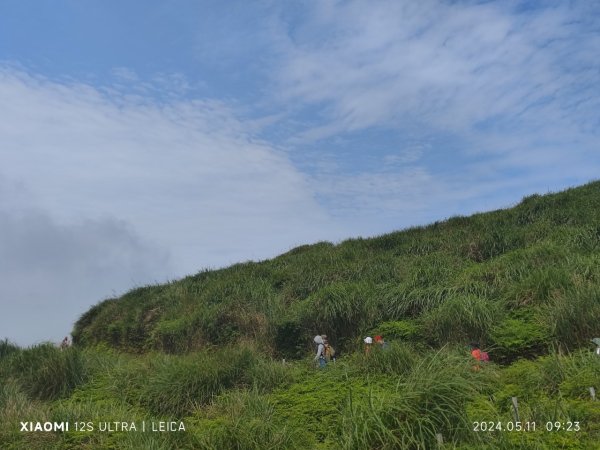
207 350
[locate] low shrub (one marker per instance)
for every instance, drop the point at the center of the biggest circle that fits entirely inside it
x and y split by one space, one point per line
404 330
514 338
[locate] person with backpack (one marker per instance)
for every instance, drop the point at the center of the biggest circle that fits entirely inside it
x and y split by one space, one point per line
382 344
320 356
65 343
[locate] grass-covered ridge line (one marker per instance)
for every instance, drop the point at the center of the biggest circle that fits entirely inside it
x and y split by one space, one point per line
516 280
207 350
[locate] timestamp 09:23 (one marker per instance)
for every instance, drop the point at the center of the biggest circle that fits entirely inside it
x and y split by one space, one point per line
490 426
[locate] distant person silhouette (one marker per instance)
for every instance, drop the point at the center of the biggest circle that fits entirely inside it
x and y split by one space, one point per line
65 343
479 355
320 356
368 343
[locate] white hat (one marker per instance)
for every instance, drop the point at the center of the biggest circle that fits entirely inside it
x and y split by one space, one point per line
368 340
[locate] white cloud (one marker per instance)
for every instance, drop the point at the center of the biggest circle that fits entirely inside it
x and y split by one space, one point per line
186 176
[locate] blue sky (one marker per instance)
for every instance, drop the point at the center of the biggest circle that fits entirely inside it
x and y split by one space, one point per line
143 141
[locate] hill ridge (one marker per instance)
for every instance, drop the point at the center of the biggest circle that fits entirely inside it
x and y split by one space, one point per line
463 278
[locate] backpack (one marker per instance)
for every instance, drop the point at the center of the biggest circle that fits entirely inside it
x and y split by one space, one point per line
484 356
329 351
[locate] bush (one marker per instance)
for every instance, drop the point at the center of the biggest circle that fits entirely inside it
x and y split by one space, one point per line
405 330
291 340
514 338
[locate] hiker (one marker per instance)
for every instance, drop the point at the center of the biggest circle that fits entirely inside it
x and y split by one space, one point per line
65 343
368 343
597 342
329 351
320 356
382 344
479 355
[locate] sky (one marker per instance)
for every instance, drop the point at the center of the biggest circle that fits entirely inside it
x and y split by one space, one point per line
143 141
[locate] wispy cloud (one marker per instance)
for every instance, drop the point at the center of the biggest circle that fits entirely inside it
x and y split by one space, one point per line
507 93
454 66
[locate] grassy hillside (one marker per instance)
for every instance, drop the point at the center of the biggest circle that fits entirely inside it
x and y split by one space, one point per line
515 279
208 349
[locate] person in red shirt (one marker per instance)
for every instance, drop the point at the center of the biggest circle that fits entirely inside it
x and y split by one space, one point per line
478 355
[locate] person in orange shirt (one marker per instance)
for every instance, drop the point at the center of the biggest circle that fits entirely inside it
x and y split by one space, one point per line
478 355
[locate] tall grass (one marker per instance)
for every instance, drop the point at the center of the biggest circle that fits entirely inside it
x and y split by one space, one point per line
397 359
178 386
574 317
248 421
45 372
430 400
7 348
462 319
15 406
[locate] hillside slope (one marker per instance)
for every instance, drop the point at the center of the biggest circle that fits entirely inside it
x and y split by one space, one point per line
517 280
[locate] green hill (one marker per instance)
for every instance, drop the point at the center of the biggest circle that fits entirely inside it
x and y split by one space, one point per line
515 280
207 350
